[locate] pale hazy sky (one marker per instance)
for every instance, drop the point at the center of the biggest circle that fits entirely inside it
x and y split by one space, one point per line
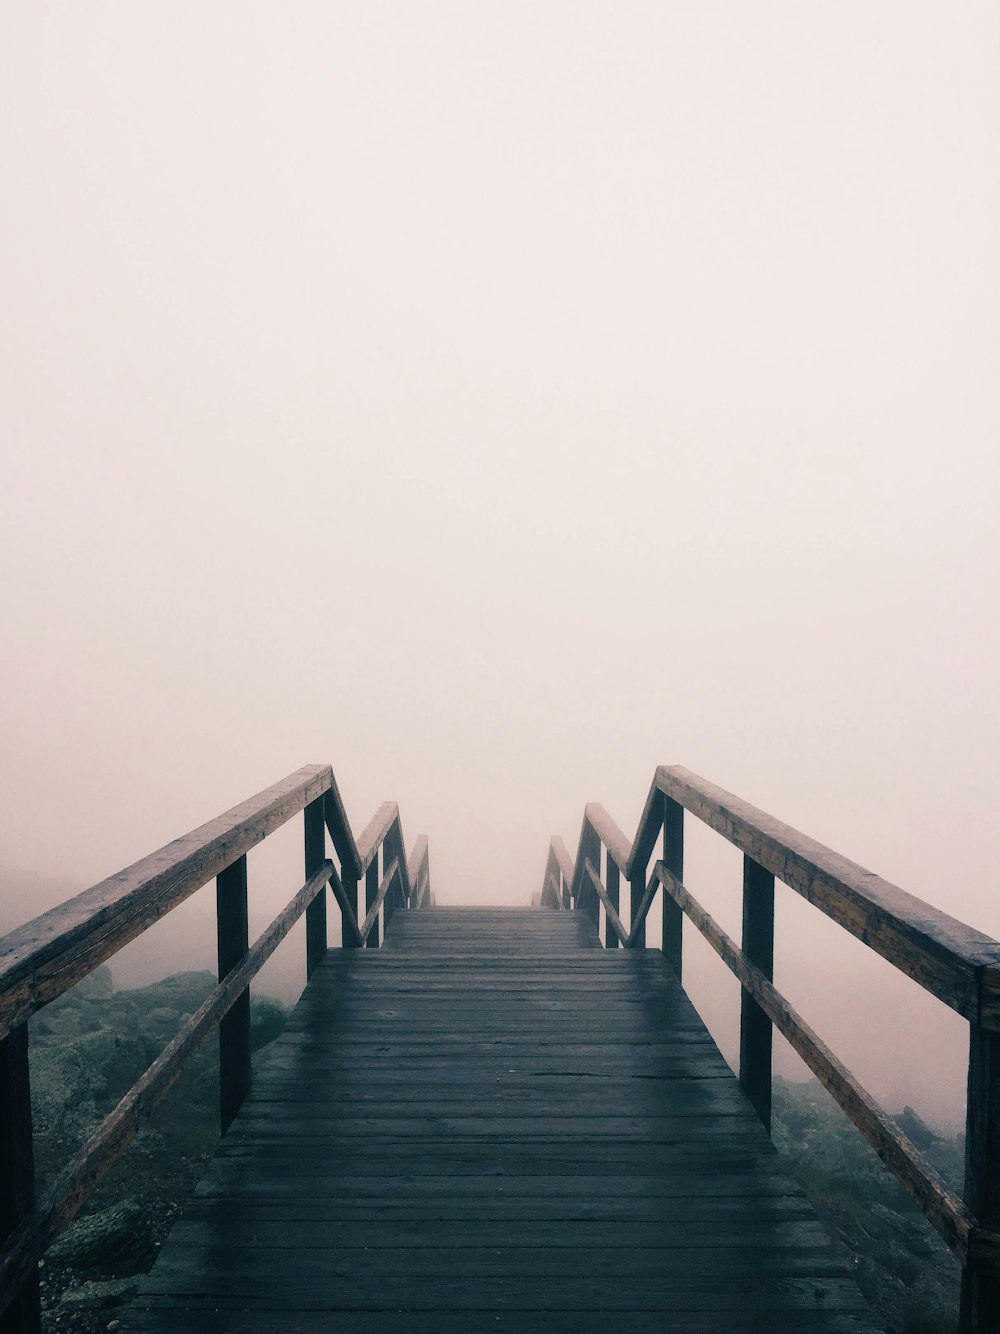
496 400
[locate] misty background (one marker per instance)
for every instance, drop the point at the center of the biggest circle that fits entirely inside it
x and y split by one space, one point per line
496 400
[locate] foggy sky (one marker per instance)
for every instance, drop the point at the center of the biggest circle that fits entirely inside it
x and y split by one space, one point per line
496 400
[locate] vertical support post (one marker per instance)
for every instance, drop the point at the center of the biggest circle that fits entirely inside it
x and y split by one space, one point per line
755 1026
390 852
17 1171
315 849
673 860
371 894
611 882
351 893
591 851
233 931
980 1310
637 889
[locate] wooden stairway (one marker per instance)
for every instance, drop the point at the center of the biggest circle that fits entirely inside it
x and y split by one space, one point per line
494 1124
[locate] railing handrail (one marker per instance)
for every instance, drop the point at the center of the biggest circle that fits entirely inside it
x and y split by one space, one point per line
46 956
952 961
42 959
944 955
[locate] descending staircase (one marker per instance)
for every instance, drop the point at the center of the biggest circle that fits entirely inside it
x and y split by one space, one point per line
494 1124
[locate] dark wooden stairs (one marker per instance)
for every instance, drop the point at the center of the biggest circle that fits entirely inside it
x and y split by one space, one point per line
493 1124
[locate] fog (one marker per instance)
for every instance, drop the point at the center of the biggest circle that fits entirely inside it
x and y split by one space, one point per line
496 400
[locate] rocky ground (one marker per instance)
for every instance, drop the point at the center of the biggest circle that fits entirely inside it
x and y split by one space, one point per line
87 1049
901 1265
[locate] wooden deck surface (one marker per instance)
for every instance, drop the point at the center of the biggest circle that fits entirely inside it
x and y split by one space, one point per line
492 1124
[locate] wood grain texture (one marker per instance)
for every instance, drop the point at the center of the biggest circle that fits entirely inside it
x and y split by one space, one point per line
914 1172
445 1138
71 1187
41 959
944 955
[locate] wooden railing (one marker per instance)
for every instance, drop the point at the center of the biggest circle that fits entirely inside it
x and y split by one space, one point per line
955 963
39 961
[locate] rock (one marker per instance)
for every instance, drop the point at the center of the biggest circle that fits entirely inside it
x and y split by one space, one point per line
99 985
915 1130
117 1241
97 1294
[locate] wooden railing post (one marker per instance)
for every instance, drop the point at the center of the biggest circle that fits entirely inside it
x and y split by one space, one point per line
233 930
371 894
755 1026
315 848
347 939
590 851
611 882
17 1170
673 860
981 1292
391 850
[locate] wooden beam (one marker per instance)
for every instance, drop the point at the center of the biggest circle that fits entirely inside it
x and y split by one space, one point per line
609 833
612 938
755 1026
370 935
614 921
233 931
980 1309
947 958
373 835
17 1173
40 960
369 927
944 1210
673 860
315 855
71 1188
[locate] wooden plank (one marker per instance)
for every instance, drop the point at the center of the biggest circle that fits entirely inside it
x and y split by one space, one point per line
466 1140
369 927
612 937
22 1312
618 846
371 937
71 1187
673 860
315 856
233 931
341 836
946 1213
41 959
533 1292
980 1306
944 955
373 835
758 949
177 1317
614 922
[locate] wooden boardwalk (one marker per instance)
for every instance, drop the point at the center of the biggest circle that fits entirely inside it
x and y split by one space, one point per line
492 1124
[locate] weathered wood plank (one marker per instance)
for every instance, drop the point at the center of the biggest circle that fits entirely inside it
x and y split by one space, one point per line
71 1187
41 959
17 1172
944 955
947 1214
467 1139
233 931
758 949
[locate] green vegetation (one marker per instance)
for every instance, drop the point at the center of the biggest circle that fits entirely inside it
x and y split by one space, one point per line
901 1265
87 1049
